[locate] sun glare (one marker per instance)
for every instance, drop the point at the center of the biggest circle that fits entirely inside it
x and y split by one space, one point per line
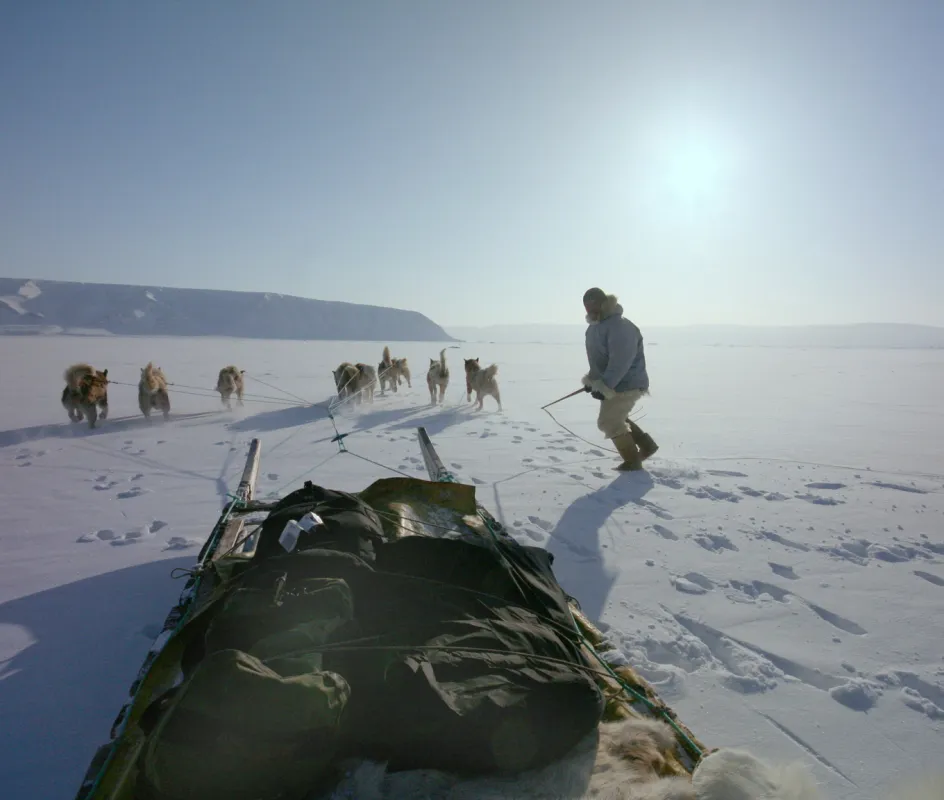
693 170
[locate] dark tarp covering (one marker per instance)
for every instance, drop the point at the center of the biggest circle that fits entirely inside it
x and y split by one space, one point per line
416 651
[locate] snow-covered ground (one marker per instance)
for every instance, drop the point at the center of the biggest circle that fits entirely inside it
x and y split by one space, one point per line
778 571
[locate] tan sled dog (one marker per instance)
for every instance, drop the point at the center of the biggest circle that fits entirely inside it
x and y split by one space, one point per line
355 381
481 381
230 382
86 393
365 383
437 376
393 371
152 391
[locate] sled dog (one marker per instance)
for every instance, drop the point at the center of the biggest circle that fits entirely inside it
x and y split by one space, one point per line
392 371
230 382
355 381
86 393
481 381
437 376
152 391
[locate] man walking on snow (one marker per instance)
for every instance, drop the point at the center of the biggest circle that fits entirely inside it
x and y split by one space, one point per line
617 376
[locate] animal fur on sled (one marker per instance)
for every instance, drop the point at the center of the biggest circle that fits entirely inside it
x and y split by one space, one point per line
152 391
355 381
393 371
618 761
481 381
86 393
230 382
437 377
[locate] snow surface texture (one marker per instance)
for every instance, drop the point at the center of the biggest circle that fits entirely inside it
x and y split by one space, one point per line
51 307
777 572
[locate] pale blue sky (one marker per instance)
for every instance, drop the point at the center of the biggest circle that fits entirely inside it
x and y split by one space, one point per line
485 161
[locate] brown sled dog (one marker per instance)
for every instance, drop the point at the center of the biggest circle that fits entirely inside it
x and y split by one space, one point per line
86 393
152 391
481 381
437 376
355 381
230 382
392 371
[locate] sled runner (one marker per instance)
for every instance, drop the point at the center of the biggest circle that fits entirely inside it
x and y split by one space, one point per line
400 624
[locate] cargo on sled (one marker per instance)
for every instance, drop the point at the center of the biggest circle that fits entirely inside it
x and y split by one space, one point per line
330 637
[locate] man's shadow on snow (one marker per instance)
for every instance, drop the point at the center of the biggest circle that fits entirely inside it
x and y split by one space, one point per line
71 655
576 539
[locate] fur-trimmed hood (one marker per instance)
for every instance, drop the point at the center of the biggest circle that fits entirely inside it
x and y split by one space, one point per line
609 308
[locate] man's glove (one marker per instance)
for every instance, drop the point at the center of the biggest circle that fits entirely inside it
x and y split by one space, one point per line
595 395
600 388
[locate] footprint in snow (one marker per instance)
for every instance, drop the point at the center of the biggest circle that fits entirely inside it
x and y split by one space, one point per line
725 473
595 452
711 493
273 476
104 487
477 482
181 543
533 535
819 500
137 491
577 477
104 535
455 465
541 523
136 477
783 570
157 525
692 583
825 486
665 532
714 542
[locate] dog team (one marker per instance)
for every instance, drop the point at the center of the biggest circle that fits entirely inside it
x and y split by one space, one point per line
359 380
86 391
85 395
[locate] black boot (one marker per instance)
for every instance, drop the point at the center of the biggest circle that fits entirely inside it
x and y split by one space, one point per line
646 444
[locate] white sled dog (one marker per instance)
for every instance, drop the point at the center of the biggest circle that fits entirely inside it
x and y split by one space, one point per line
393 371
230 382
482 382
618 761
437 376
152 391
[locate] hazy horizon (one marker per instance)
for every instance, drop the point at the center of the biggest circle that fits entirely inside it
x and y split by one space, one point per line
732 165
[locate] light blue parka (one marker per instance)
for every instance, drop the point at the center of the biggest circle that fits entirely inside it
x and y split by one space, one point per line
615 350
